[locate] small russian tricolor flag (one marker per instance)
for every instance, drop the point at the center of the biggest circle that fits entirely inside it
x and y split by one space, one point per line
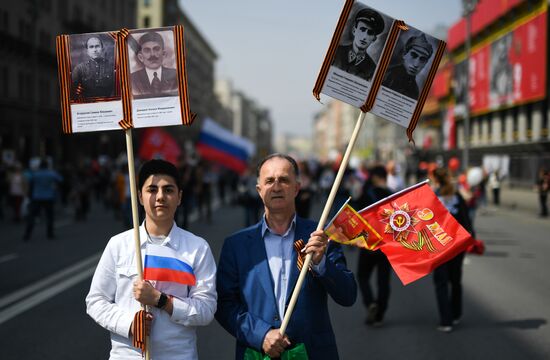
161 264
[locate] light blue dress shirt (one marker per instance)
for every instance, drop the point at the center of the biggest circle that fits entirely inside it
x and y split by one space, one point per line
279 250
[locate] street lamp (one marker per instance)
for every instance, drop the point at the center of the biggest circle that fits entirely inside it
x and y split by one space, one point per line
468 7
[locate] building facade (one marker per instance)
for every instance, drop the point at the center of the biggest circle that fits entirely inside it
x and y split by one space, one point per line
508 91
250 120
29 94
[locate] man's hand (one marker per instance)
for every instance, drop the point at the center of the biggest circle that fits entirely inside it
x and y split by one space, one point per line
274 343
317 245
145 293
148 323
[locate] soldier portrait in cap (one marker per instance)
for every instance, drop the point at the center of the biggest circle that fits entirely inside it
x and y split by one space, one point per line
408 71
93 69
365 26
153 69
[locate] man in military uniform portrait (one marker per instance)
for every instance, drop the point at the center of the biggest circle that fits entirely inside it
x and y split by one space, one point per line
153 79
353 58
401 77
94 77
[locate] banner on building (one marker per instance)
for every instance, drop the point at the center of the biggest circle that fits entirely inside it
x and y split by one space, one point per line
379 64
507 71
122 79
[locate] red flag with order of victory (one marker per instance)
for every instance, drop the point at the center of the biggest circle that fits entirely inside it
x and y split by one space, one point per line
418 232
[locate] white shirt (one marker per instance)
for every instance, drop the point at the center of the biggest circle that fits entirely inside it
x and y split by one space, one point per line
111 302
151 74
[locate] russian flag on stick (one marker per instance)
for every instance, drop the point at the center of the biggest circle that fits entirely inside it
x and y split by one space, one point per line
161 264
221 146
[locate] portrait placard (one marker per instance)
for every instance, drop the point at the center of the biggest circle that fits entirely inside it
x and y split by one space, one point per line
357 55
124 79
89 82
379 64
156 78
405 77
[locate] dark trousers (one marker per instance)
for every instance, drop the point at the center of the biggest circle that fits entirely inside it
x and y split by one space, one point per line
496 196
543 206
448 290
368 261
36 207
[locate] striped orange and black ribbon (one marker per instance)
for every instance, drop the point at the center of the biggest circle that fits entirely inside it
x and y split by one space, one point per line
300 258
64 76
329 57
186 116
425 90
114 35
125 89
385 58
139 334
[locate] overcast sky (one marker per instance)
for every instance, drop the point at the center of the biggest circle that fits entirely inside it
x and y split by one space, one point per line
273 49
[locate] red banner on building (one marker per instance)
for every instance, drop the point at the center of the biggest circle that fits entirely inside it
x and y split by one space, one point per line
509 71
485 13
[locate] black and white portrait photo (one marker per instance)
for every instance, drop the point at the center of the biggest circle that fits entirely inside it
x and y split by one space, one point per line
410 63
501 74
92 67
362 41
152 64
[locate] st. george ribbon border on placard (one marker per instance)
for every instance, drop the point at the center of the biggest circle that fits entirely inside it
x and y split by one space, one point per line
426 89
123 78
329 57
385 58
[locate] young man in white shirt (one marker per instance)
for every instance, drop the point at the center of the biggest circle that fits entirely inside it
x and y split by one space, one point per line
175 310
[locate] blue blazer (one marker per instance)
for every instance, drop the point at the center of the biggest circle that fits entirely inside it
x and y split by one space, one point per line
247 307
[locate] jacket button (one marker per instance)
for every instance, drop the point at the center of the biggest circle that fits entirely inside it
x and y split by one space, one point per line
276 318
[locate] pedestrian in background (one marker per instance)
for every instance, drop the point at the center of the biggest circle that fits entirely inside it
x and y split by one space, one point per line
542 186
494 184
448 277
17 191
374 189
43 186
303 200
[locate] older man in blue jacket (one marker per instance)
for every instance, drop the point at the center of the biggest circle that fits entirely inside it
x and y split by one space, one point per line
258 270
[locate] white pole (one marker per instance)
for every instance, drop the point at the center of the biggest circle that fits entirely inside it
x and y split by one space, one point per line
323 220
135 215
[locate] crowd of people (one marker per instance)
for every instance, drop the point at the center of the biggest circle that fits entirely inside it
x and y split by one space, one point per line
277 197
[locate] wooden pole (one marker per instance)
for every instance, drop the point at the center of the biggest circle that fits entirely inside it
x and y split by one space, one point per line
323 220
135 215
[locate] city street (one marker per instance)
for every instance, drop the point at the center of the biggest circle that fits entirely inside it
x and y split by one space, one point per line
506 292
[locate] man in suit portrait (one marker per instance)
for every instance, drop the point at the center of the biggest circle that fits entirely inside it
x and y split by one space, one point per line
96 76
258 270
401 77
154 79
353 58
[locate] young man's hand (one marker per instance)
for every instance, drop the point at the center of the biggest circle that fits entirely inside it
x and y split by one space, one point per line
145 293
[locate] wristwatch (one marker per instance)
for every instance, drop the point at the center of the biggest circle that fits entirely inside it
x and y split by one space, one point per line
162 301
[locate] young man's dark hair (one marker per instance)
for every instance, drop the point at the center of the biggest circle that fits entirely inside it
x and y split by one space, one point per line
158 167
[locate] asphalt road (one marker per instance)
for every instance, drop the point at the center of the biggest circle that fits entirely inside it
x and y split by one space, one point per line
506 292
